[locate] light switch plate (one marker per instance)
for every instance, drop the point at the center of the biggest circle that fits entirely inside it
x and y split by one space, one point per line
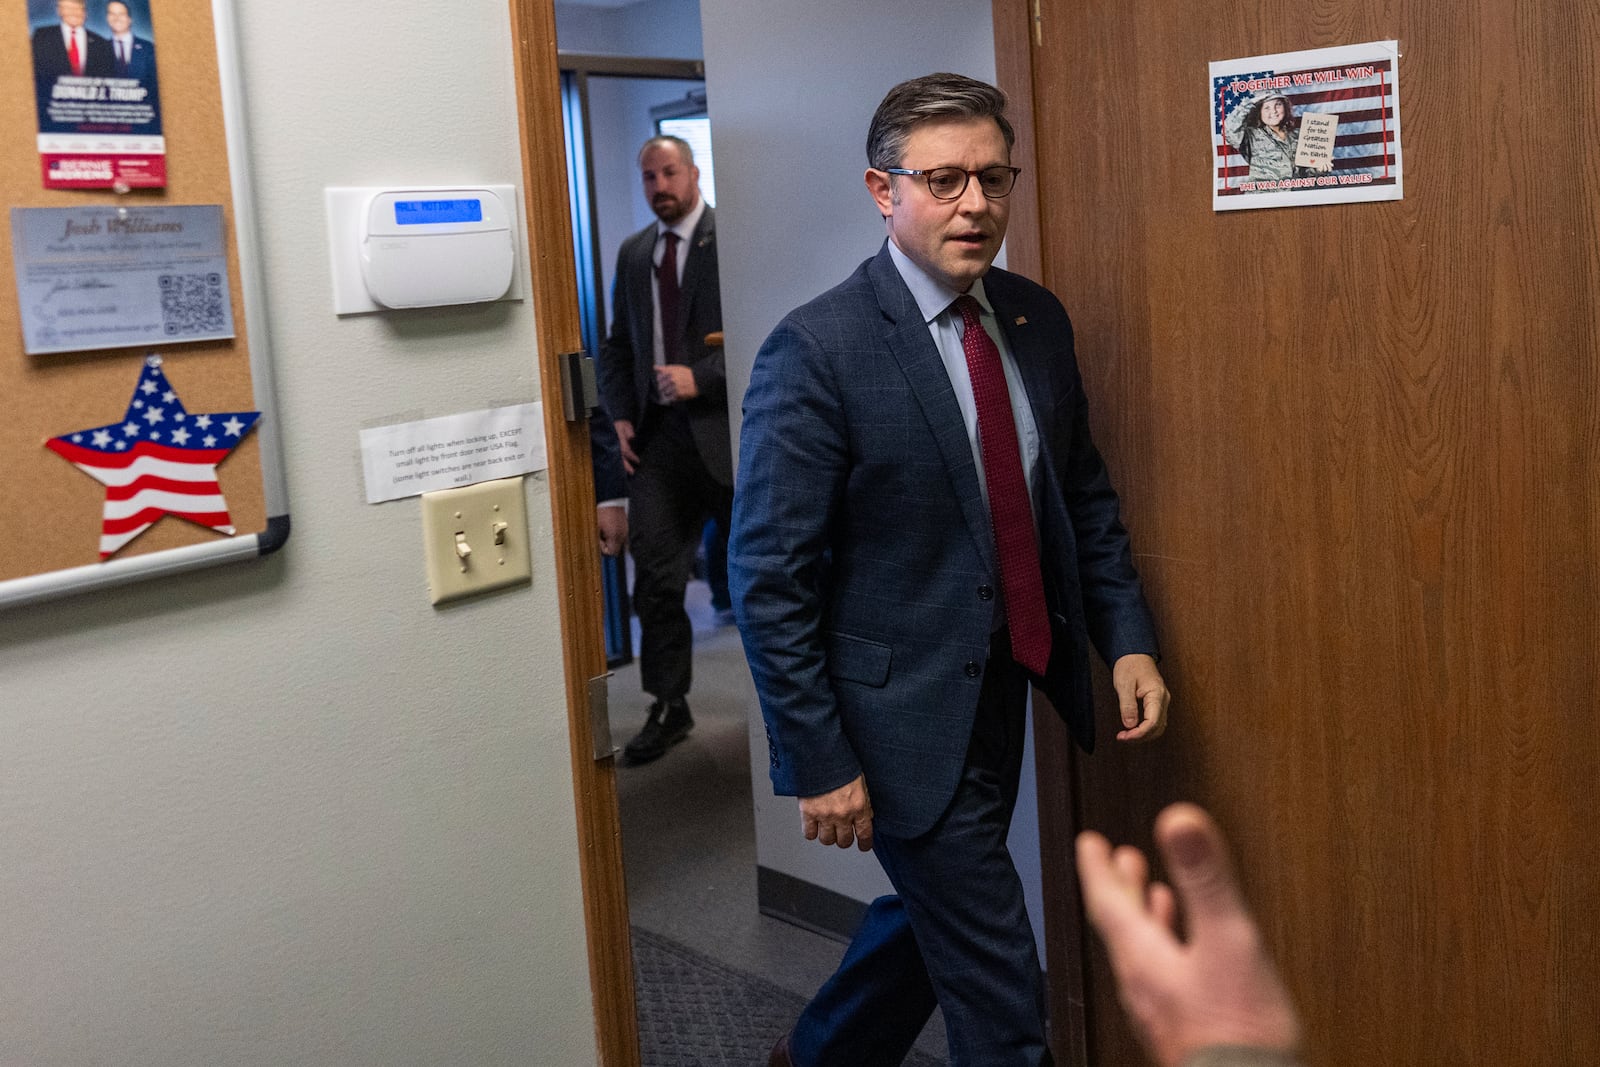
460 528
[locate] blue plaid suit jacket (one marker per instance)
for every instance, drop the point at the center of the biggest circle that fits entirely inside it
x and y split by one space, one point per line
861 558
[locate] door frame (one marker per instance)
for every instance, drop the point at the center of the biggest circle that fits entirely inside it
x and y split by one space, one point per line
558 331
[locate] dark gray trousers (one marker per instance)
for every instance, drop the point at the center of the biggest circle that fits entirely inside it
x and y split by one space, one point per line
671 495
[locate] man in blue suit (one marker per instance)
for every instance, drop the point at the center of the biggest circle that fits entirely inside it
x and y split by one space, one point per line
132 56
922 528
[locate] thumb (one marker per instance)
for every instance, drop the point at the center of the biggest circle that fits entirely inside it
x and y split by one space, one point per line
1128 697
1201 871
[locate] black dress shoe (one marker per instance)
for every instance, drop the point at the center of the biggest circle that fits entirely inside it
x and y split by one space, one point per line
668 723
780 1054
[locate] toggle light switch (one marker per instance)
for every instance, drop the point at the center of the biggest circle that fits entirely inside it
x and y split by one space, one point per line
475 539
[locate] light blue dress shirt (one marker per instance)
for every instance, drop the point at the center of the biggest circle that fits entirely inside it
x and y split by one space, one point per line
934 300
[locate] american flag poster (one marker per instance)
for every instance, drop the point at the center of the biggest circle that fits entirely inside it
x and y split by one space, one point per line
1314 127
157 460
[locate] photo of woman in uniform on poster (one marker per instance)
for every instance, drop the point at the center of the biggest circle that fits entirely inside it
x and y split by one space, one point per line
1265 131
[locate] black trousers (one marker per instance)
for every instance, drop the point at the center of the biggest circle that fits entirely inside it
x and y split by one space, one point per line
671 495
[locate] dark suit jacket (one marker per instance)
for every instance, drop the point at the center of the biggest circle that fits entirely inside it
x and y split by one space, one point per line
610 477
141 63
862 561
627 361
50 55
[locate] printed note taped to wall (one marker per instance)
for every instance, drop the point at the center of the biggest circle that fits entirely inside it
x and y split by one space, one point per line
411 458
108 277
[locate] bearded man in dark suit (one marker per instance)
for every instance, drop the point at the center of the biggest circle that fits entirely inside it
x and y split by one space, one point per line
661 382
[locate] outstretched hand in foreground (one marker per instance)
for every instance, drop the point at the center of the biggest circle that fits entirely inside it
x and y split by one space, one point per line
1218 987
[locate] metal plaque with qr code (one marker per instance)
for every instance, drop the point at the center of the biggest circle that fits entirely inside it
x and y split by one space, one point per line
120 277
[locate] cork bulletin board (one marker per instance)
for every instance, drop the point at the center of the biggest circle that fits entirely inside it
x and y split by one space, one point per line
51 527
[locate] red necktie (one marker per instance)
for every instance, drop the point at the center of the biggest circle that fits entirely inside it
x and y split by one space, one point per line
667 298
1010 512
73 58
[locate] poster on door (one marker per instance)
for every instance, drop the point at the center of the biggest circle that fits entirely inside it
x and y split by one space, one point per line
1314 127
94 86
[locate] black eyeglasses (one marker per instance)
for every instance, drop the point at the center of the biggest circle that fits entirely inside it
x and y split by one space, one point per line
948 183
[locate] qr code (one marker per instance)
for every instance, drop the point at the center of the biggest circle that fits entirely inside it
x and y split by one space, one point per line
191 303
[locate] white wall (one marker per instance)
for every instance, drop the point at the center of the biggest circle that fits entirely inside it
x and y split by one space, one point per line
792 88
286 812
661 29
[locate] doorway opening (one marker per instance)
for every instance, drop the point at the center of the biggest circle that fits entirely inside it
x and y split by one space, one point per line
687 819
608 104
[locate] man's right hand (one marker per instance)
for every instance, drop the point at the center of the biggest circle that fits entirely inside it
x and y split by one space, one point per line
624 430
841 817
612 519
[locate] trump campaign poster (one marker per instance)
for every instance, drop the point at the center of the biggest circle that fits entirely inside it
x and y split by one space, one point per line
94 85
1314 127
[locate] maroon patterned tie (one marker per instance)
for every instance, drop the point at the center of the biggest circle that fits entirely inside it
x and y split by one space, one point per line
1009 510
667 298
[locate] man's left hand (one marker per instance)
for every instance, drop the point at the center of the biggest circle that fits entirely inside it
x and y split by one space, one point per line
1142 695
675 382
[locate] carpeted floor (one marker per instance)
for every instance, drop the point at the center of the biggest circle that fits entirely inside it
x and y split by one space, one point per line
697 1012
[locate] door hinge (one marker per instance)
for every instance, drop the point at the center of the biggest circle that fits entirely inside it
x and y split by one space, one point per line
600 716
578 392
1038 26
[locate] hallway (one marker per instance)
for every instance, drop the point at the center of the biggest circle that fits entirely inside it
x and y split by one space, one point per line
688 835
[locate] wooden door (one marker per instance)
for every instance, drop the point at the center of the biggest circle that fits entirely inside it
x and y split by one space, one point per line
1357 446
